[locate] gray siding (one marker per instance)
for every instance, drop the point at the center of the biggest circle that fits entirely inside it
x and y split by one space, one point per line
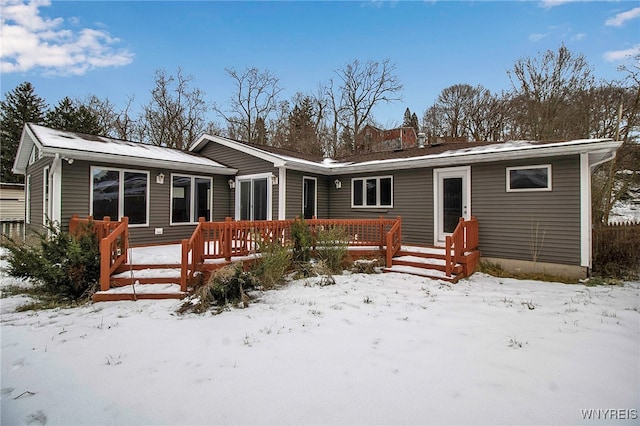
509 221
36 170
246 165
75 200
412 199
294 194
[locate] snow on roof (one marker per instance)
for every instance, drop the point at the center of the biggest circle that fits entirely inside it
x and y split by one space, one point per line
62 140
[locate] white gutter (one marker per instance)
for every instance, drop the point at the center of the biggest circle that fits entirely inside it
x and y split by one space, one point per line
282 193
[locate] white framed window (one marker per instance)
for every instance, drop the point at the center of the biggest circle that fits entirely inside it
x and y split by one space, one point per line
374 191
254 197
46 206
529 178
191 198
27 200
120 192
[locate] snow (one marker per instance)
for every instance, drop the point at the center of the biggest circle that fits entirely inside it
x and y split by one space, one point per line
102 145
372 349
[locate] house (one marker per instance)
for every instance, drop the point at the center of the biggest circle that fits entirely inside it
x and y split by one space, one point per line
532 200
373 139
12 209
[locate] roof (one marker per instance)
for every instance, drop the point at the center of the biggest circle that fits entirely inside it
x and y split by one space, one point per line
442 155
79 146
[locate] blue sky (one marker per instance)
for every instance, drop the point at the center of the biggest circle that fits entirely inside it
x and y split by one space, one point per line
112 49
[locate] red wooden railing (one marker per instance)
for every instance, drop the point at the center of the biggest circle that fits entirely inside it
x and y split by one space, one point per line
114 243
464 239
224 240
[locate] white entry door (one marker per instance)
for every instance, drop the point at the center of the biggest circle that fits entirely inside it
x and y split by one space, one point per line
451 200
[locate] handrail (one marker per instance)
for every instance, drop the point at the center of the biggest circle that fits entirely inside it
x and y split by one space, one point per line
394 241
462 240
224 240
114 243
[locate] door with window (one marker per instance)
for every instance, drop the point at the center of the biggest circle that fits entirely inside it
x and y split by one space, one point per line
252 199
309 197
452 200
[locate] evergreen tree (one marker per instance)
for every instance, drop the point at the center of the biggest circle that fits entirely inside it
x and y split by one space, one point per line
415 123
20 106
406 121
73 118
302 128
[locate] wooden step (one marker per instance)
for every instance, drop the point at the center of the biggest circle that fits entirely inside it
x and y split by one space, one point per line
142 292
425 263
422 272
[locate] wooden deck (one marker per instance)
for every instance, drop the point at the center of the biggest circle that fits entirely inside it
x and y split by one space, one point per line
216 244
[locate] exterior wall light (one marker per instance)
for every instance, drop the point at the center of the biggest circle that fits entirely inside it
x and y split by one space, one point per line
337 183
274 180
232 183
160 179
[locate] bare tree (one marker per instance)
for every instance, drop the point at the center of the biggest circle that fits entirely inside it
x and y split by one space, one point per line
363 86
175 116
256 98
545 87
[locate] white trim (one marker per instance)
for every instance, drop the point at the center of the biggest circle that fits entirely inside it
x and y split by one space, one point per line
46 195
315 194
254 152
539 166
121 192
251 178
192 198
364 192
55 190
465 173
585 211
27 199
282 193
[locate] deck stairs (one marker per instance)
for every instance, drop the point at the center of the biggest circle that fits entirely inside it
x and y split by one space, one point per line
428 262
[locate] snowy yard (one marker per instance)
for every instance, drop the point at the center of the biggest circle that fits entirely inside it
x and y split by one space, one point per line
372 349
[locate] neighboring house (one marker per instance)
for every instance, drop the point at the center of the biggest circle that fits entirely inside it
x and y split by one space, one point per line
373 139
12 209
532 199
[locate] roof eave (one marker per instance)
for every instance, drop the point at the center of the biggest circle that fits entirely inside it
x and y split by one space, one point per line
537 151
255 152
141 162
23 153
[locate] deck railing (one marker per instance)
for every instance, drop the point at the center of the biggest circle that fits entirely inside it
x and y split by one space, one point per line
114 243
224 240
464 239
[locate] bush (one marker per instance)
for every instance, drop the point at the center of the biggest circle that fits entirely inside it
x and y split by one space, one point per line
270 269
302 242
66 266
332 248
227 285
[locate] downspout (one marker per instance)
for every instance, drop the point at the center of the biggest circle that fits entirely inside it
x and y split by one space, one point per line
586 227
54 207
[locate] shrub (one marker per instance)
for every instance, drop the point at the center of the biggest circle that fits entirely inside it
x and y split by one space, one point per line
270 269
227 285
66 266
302 242
332 248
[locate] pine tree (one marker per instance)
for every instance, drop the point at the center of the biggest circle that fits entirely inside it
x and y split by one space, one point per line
20 106
70 117
406 121
415 123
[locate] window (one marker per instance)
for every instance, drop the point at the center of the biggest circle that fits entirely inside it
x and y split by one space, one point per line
529 178
372 192
253 197
117 193
190 198
309 197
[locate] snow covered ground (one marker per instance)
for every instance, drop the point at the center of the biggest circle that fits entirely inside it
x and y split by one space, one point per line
372 349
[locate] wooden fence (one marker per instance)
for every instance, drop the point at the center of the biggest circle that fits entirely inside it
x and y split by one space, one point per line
616 248
13 229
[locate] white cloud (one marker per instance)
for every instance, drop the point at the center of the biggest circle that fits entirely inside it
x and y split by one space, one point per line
30 41
579 37
622 55
548 4
537 36
622 18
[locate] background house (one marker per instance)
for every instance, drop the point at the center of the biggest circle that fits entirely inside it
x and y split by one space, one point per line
12 208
